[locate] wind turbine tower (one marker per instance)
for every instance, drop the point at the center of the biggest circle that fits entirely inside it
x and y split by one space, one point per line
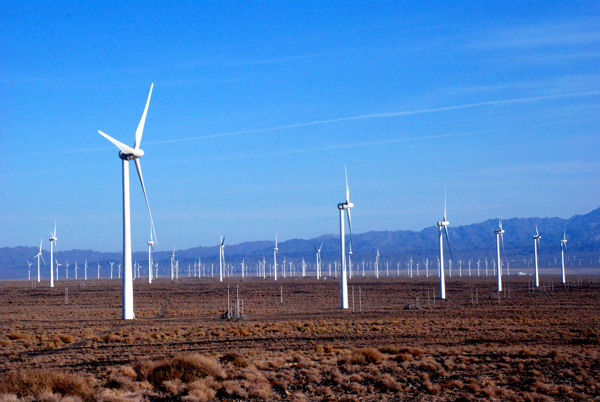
150 265
275 250
345 206
221 258
38 256
126 154
499 238
536 245
52 239
443 228
563 250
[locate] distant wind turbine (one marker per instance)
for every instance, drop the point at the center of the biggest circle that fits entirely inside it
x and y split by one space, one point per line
499 238
275 250
29 270
126 154
318 250
38 256
150 248
221 258
53 240
563 250
536 245
345 206
443 228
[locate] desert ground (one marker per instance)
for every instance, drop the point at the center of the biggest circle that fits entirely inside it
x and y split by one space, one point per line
291 340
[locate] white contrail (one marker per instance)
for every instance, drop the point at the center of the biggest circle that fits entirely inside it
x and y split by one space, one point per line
383 115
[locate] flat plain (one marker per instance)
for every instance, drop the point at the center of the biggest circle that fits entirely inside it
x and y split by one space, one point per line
294 342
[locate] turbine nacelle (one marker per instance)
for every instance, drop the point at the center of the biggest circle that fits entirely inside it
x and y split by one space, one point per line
137 153
443 223
499 231
345 205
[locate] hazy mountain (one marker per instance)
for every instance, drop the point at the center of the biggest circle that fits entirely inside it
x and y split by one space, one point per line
470 241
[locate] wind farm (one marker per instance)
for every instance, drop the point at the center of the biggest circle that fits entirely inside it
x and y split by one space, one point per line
258 274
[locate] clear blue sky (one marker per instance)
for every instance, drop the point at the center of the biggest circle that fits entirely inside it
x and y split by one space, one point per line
257 106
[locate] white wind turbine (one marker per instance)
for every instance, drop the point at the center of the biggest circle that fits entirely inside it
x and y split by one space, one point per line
377 264
499 238
345 206
66 269
29 270
275 250
150 248
98 270
111 268
173 264
318 250
57 265
38 256
563 250
53 240
76 269
221 258
126 154
443 228
85 269
536 245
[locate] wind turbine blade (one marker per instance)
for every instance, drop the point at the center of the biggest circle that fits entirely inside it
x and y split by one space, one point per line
40 245
43 259
537 233
448 241
139 170
126 149
320 247
347 188
445 204
54 228
140 129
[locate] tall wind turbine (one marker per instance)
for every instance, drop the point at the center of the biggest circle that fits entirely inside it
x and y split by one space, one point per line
443 228
345 206
377 264
563 250
499 237
38 256
536 245
29 270
221 258
275 250
126 153
53 240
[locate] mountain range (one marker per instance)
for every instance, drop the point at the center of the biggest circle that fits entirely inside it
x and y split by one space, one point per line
472 241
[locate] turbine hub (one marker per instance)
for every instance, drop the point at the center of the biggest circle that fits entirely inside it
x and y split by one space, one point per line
137 153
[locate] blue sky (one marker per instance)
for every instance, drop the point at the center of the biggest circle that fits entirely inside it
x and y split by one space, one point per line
257 107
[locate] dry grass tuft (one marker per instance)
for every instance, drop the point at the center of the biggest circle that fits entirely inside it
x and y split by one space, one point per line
36 383
185 368
365 355
235 358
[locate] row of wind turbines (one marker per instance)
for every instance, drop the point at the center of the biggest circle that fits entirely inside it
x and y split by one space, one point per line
127 154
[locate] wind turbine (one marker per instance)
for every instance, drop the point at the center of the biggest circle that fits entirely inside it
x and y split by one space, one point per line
345 206
173 264
76 269
275 250
57 265
66 269
126 153
150 248
221 258
499 237
98 270
29 270
318 250
111 268
38 256
85 269
53 240
377 264
536 245
563 250
443 228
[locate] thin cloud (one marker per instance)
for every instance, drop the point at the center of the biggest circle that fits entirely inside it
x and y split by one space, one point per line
383 115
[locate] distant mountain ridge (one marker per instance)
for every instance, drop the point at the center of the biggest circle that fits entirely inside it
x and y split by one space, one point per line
468 241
